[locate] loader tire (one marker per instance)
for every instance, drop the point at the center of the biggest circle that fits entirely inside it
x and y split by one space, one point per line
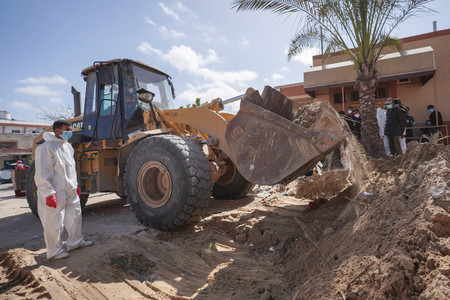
232 185
168 181
31 190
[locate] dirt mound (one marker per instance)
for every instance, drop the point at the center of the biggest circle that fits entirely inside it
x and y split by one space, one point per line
389 241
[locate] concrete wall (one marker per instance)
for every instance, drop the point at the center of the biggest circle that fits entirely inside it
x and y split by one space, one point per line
23 141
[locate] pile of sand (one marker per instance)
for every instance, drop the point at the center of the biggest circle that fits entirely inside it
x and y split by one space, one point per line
386 237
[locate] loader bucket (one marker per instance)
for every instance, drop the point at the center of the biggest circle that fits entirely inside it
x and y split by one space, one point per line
268 147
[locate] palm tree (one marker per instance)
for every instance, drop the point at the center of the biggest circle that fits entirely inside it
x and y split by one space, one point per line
361 29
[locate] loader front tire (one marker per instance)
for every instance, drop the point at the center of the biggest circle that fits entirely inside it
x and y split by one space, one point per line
232 185
168 181
31 190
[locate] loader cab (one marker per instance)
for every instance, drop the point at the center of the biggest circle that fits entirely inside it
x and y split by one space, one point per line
112 106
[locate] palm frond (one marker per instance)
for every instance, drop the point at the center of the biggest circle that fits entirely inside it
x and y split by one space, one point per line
359 28
393 42
279 7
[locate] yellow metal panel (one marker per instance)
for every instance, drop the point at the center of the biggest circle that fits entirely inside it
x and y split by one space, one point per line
202 119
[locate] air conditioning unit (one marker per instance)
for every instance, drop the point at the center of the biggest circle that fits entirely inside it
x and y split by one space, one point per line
404 81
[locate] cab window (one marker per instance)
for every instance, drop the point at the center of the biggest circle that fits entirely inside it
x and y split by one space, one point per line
91 94
108 94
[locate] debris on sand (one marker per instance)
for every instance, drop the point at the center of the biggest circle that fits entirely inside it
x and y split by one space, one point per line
135 264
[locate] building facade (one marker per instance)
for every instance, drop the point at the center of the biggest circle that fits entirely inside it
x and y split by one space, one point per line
16 139
419 76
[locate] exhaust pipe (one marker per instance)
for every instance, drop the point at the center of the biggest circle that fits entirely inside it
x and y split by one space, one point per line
76 102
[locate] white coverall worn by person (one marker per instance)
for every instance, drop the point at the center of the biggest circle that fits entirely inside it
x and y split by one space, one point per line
381 117
58 193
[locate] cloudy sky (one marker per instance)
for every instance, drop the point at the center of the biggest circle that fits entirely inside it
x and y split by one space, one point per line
209 49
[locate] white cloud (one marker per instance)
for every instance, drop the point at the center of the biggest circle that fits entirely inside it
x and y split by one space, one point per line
181 7
305 57
57 79
183 58
170 33
169 12
244 42
277 77
284 69
148 49
37 90
56 100
149 21
222 40
21 105
209 83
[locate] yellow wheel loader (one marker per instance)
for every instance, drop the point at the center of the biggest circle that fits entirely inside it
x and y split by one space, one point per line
167 162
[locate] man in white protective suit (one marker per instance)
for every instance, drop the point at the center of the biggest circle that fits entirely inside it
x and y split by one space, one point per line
381 117
58 192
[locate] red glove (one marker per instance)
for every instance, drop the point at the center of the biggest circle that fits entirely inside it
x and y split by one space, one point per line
78 191
50 201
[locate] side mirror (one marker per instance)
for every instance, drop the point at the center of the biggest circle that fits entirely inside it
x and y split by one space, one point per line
105 73
145 96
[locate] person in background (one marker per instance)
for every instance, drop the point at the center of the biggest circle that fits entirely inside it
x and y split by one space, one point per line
58 192
356 117
349 118
20 166
399 104
395 125
432 116
346 118
427 132
410 122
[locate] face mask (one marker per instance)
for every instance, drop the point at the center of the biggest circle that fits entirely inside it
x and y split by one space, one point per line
19 165
342 117
66 135
349 111
427 124
389 106
357 115
431 110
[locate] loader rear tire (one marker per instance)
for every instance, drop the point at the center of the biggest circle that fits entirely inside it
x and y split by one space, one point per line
232 185
168 181
31 191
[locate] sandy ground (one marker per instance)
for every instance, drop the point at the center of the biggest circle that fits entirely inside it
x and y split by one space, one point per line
377 229
230 245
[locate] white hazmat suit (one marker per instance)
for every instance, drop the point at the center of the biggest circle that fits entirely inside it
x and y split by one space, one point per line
381 117
56 175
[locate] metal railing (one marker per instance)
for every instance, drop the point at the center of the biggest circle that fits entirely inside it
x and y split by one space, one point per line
443 129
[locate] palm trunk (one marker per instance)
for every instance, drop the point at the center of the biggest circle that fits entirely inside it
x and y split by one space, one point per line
370 136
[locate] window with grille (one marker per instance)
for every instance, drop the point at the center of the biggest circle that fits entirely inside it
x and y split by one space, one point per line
354 96
7 145
382 92
337 98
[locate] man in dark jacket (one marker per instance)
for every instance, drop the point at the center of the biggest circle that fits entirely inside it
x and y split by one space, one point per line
395 125
356 123
410 122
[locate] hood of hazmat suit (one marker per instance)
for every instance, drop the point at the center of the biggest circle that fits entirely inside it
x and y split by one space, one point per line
56 175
